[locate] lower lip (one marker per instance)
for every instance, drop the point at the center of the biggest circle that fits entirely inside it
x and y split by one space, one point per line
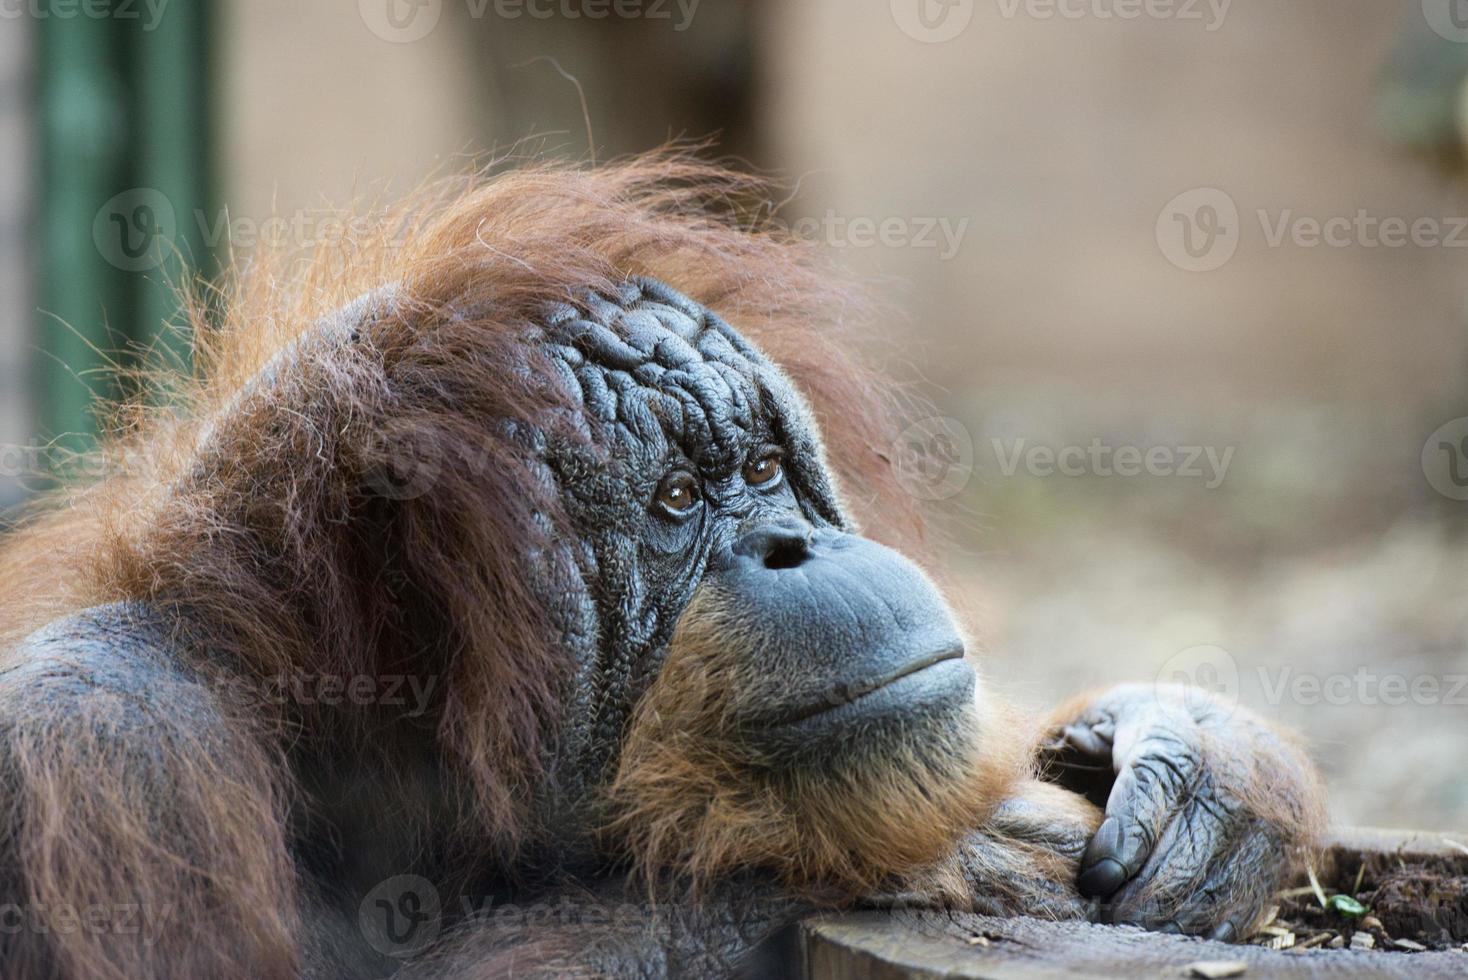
945 681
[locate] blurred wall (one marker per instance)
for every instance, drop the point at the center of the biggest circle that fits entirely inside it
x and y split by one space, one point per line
1061 141
323 102
1049 146
316 109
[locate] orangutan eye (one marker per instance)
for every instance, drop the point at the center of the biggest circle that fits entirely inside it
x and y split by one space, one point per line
763 471
678 494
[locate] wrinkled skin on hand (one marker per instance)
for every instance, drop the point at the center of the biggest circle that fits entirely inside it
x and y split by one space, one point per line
1208 811
1024 860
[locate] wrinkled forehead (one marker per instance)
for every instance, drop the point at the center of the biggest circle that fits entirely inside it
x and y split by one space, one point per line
655 369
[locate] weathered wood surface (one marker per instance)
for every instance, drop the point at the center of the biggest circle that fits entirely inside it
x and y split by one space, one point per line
905 945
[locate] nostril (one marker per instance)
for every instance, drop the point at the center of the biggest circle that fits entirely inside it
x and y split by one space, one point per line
776 546
788 553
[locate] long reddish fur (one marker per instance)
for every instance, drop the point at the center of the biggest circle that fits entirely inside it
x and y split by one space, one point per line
244 512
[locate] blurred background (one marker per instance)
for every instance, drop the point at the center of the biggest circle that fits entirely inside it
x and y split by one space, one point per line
1186 279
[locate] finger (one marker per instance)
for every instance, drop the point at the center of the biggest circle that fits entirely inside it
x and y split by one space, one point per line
1013 879
1044 815
1154 776
1177 869
1092 739
1212 877
1078 756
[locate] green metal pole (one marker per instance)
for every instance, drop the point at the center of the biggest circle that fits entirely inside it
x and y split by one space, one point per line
173 146
83 126
125 166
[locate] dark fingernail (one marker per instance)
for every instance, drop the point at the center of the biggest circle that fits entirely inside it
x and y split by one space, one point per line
1223 932
1106 841
1102 878
1102 871
1113 839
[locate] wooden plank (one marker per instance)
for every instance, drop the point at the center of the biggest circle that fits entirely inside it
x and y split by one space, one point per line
1357 842
935 946
912 945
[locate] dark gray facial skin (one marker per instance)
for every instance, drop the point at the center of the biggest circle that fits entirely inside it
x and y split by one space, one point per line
707 473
